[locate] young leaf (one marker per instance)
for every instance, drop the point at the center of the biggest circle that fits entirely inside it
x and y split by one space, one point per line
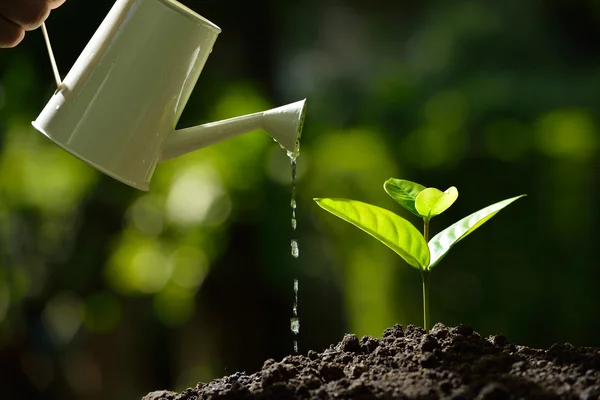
390 229
441 243
431 201
404 192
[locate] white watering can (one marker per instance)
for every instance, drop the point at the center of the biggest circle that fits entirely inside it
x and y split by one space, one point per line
118 106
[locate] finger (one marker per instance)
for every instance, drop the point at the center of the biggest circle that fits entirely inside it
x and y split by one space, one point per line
55 3
11 34
29 14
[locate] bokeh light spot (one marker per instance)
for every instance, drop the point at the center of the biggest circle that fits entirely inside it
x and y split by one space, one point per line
62 317
149 269
193 192
139 265
567 133
190 267
347 163
41 174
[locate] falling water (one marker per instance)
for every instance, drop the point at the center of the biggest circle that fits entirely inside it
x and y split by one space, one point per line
293 157
295 320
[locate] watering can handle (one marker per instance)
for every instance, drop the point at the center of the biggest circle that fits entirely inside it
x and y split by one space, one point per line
51 55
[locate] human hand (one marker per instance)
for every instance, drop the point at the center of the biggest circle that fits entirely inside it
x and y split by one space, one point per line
18 16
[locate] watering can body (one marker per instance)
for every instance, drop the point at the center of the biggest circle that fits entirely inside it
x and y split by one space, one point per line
118 106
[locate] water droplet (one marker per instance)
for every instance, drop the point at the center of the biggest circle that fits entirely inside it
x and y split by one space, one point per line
294 223
293 203
295 251
295 308
294 155
295 325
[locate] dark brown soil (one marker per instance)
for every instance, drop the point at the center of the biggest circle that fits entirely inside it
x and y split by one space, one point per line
448 363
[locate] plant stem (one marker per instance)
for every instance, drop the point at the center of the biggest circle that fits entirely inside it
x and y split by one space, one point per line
425 279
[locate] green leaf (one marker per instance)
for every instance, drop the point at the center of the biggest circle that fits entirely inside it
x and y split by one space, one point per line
431 201
404 192
441 243
390 229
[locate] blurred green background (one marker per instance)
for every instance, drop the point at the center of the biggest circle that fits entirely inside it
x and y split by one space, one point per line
107 292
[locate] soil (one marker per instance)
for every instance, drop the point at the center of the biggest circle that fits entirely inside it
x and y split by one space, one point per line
448 363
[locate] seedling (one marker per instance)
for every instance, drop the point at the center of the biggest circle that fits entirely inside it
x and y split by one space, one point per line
401 236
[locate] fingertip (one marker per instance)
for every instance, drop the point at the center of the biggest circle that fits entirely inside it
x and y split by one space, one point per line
12 38
11 34
36 20
53 4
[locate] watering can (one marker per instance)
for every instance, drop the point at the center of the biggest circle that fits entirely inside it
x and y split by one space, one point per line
118 106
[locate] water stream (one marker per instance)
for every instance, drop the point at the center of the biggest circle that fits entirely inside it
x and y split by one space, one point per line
295 320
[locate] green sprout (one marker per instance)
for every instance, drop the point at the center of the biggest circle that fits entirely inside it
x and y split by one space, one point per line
401 236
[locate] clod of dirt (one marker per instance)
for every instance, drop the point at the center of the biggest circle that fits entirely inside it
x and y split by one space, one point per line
447 363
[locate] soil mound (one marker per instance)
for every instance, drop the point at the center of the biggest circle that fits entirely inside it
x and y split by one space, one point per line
448 363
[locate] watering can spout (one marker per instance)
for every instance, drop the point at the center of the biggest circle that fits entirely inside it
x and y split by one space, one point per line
283 123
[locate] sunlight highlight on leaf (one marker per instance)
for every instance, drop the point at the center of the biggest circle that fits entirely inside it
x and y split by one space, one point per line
390 229
441 243
431 201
